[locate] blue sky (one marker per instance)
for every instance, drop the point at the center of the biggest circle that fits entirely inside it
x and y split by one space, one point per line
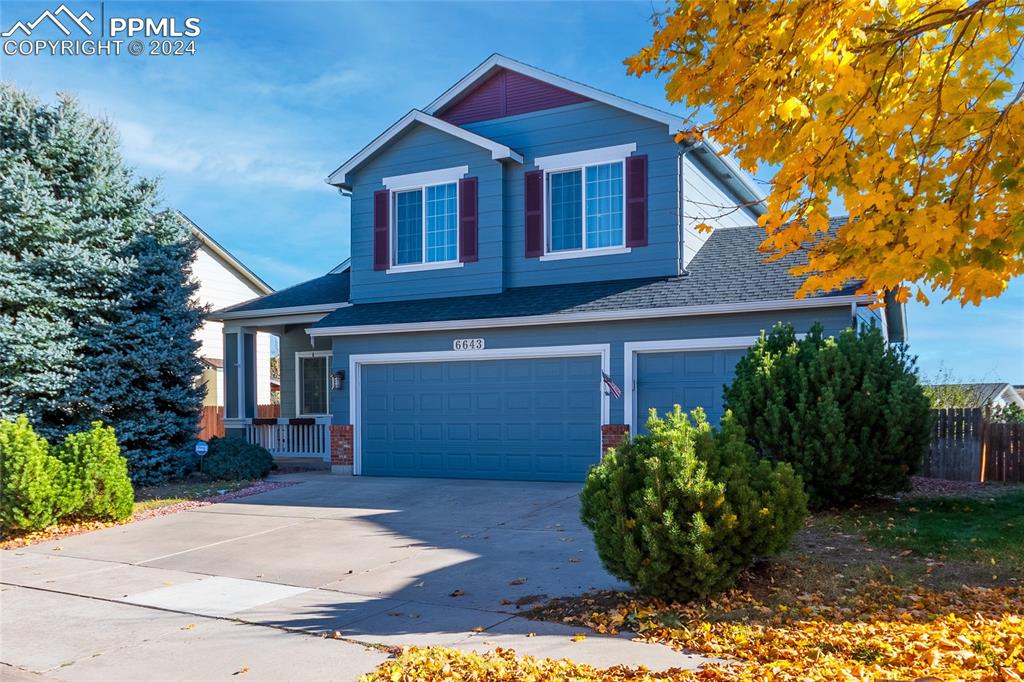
281 93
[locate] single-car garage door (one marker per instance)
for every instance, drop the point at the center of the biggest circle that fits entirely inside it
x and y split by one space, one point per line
535 419
689 379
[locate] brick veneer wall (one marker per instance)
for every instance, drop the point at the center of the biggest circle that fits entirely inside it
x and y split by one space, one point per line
612 435
341 444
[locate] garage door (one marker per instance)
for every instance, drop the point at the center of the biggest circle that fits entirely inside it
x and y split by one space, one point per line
532 419
687 378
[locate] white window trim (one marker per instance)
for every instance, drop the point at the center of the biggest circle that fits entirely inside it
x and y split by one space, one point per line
586 253
580 161
356 362
419 267
631 349
424 264
587 157
298 381
441 176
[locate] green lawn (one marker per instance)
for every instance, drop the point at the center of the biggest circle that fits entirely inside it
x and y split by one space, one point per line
987 529
182 491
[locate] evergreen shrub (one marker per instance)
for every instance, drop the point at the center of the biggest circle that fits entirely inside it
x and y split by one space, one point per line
680 512
847 412
30 478
234 459
97 474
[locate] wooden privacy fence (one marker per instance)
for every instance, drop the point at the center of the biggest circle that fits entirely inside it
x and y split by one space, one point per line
211 422
967 446
211 419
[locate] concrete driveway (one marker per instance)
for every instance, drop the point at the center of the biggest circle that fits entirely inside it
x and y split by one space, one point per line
307 582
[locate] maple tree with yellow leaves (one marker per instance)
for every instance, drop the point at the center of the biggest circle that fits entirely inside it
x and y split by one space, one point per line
908 112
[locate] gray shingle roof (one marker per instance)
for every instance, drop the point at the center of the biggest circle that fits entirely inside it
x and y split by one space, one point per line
330 288
728 269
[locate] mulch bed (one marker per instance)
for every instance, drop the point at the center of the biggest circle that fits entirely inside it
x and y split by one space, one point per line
66 530
938 487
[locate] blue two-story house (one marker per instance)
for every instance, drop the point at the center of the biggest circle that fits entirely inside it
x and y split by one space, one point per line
525 283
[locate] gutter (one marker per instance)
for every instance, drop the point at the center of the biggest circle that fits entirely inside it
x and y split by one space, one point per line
593 316
221 315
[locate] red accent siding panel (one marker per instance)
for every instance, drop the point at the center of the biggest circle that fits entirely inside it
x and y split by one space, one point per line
533 182
507 93
381 227
468 228
527 94
636 200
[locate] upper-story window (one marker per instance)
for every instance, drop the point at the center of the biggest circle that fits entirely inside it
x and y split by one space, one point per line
426 224
425 219
585 202
585 208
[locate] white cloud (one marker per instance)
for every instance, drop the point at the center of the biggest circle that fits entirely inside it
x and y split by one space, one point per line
226 156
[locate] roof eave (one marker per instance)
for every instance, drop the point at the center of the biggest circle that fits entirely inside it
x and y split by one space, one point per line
229 314
499 152
589 316
225 255
727 171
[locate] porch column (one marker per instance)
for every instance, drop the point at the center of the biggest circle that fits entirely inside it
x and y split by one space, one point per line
239 379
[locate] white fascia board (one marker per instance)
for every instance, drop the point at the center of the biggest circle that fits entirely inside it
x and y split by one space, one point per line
755 195
585 157
434 177
498 151
267 312
238 266
594 316
497 61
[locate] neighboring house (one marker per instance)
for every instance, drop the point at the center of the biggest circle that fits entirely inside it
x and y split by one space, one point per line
513 242
994 395
224 281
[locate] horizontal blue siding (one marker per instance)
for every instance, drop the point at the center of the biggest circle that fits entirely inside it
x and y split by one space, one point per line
834 319
576 128
424 149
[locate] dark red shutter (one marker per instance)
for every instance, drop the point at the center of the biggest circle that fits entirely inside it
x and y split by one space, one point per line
533 191
381 227
636 200
468 224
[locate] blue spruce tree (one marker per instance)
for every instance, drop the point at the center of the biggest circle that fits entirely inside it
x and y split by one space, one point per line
97 312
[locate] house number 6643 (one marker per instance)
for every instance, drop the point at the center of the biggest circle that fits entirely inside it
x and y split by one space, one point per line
468 344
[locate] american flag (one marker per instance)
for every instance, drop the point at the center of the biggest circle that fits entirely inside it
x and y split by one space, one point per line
613 387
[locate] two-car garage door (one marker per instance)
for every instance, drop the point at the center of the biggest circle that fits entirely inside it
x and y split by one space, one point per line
520 419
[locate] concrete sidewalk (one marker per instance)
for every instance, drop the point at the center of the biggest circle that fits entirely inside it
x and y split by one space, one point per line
267 583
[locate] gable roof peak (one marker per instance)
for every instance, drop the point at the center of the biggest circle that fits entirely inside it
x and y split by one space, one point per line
499 61
498 151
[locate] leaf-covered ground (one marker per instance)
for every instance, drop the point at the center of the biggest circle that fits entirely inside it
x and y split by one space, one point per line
861 596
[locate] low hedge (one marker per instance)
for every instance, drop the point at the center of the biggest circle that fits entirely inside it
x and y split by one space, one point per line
85 477
234 459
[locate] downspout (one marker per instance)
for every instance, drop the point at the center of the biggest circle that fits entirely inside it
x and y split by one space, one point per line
681 173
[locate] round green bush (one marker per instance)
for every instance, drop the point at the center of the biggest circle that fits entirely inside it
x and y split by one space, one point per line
30 478
847 412
97 484
679 513
234 459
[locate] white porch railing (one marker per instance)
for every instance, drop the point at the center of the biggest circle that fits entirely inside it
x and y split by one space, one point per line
284 439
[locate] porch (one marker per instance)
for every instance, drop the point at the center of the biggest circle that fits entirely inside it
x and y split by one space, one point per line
292 438
302 430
